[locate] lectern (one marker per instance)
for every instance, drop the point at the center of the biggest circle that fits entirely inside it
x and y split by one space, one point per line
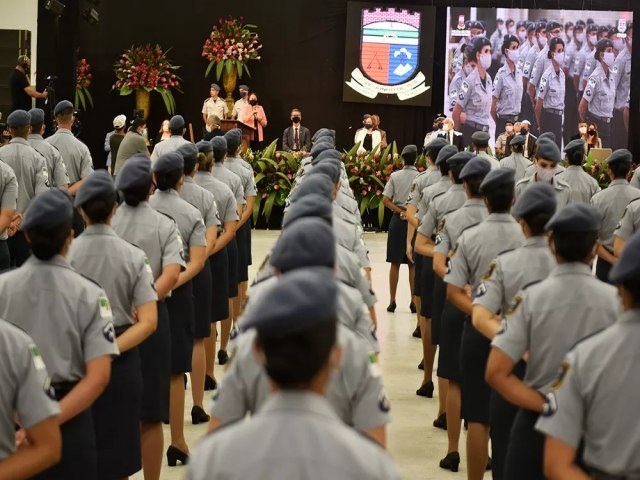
247 130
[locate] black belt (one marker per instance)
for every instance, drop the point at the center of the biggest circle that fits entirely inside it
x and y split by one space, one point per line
553 111
509 118
477 126
62 389
599 119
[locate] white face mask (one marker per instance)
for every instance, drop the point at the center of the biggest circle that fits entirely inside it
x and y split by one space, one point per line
543 40
593 38
546 174
580 37
485 60
569 34
618 44
468 69
514 55
559 58
608 58
512 30
522 35
509 129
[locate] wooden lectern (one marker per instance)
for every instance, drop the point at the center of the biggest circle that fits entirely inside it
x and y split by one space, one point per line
247 130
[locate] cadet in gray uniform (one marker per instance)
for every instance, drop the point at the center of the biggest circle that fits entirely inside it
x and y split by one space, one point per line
507 86
470 261
511 272
472 212
168 172
125 272
480 145
296 336
546 320
55 166
611 203
517 161
583 186
26 398
78 343
177 126
8 219
596 387
583 58
155 233
551 92
628 225
543 60
622 71
31 174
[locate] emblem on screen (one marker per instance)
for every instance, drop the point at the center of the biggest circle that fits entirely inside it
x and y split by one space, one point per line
389 55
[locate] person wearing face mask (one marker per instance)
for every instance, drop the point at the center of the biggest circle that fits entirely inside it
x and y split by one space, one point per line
476 29
522 32
296 138
367 137
474 99
591 137
214 105
133 143
584 56
543 62
503 147
550 103
539 42
567 33
510 25
530 138
583 186
622 70
496 40
599 95
452 136
456 82
571 49
507 88
254 116
243 90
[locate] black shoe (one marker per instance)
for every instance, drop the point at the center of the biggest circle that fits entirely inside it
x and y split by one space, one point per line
392 307
489 464
466 425
174 455
412 307
425 390
451 461
417 333
441 422
198 415
184 377
222 357
421 365
210 383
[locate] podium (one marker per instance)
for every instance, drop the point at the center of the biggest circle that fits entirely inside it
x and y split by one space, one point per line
247 130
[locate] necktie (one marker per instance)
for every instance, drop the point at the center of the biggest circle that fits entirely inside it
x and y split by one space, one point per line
296 139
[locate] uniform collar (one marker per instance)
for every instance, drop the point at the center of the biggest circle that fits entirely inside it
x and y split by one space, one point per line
618 181
473 202
19 140
410 167
35 136
631 315
65 131
170 191
99 229
571 268
575 167
232 159
57 260
304 402
189 179
455 187
536 241
207 173
445 179
501 217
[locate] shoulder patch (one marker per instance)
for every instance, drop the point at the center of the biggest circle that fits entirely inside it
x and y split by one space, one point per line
109 332
383 403
550 405
489 273
38 363
465 86
517 301
480 291
104 307
562 373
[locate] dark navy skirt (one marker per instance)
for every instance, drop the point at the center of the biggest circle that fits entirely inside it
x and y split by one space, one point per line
452 326
180 307
426 286
202 302
219 264
417 262
397 240
476 392
243 254
437 306
232 252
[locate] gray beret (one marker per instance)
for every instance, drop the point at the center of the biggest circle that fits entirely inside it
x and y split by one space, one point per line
97 185
330 153
330 169
320 147
312 205
188 151
628 265
480 138
319 183
61 106
233 138
409 149
575 217
445 153
49 209
18 118
548 135
37 116
219 144
621 155
498 177
460 158
135 173
309 242
575 145
176 122
548 150
476 167
168 163
215 86
538 198
552 25
518 140
290 308
436 144
324 133
204 146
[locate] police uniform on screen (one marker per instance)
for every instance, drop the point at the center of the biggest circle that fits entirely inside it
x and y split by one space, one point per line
583 186
8 200
517 161
597 389
475 99
552 93
587 51
55 166
507 90
600 93
622 70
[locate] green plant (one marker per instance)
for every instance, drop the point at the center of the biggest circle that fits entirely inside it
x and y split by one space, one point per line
83 82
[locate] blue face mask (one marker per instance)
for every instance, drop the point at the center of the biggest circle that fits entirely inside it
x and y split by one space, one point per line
243 94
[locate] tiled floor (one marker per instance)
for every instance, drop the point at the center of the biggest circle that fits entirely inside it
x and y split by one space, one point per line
414 444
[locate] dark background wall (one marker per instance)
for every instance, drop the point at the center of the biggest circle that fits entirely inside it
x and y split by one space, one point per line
302 65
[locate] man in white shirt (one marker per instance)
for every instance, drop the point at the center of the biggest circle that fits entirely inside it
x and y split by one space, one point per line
241 103
214 105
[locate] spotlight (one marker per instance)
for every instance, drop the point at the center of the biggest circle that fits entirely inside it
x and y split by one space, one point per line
91 15
54 7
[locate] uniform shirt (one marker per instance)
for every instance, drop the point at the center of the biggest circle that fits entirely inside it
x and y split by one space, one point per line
229 178
348 233
600 93
550 317
455 88
578 66
30 169
492 160
169 145
236 165
355 389
428 193
237 108
590 66
225 200
398 187
570 56
512 271
530 60
475 98
187 217
55 166
423 180
630 221
552 89
562 189
594 395
122 269
541 64
215 107
471 213
517 162
155 233
496 43
8 191
131 144
583 186
25 391
81 328
203 200
75 154
611 202
635 179
622 71
524 53
532 169
439 206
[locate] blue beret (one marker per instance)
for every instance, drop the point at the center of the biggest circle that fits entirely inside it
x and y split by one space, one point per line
498 177
233 138
409 149
97 185
311 205
61 106
518 140
37 116
548 135
460 158
319 183
204 146
445 153
290 308
219 144
135 173
538 198
320 147
168 163
49 209
480 138
330 153
18 118
476 167
575 217
621 155
548 150
330 169
628 265
575 145
176 122
188 151
215 86
309 242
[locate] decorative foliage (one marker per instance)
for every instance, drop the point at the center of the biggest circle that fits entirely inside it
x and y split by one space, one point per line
597 170
83 82
147 67
231 43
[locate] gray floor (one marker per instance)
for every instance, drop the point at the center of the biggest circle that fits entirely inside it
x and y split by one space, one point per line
414 444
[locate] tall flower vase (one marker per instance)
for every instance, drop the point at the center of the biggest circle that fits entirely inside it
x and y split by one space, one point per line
229 80
143 101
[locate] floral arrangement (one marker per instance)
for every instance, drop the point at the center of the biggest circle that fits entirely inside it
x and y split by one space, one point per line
148 68
83 82
231 43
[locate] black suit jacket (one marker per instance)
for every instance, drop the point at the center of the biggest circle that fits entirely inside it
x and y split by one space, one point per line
305 139
531 146
458 139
